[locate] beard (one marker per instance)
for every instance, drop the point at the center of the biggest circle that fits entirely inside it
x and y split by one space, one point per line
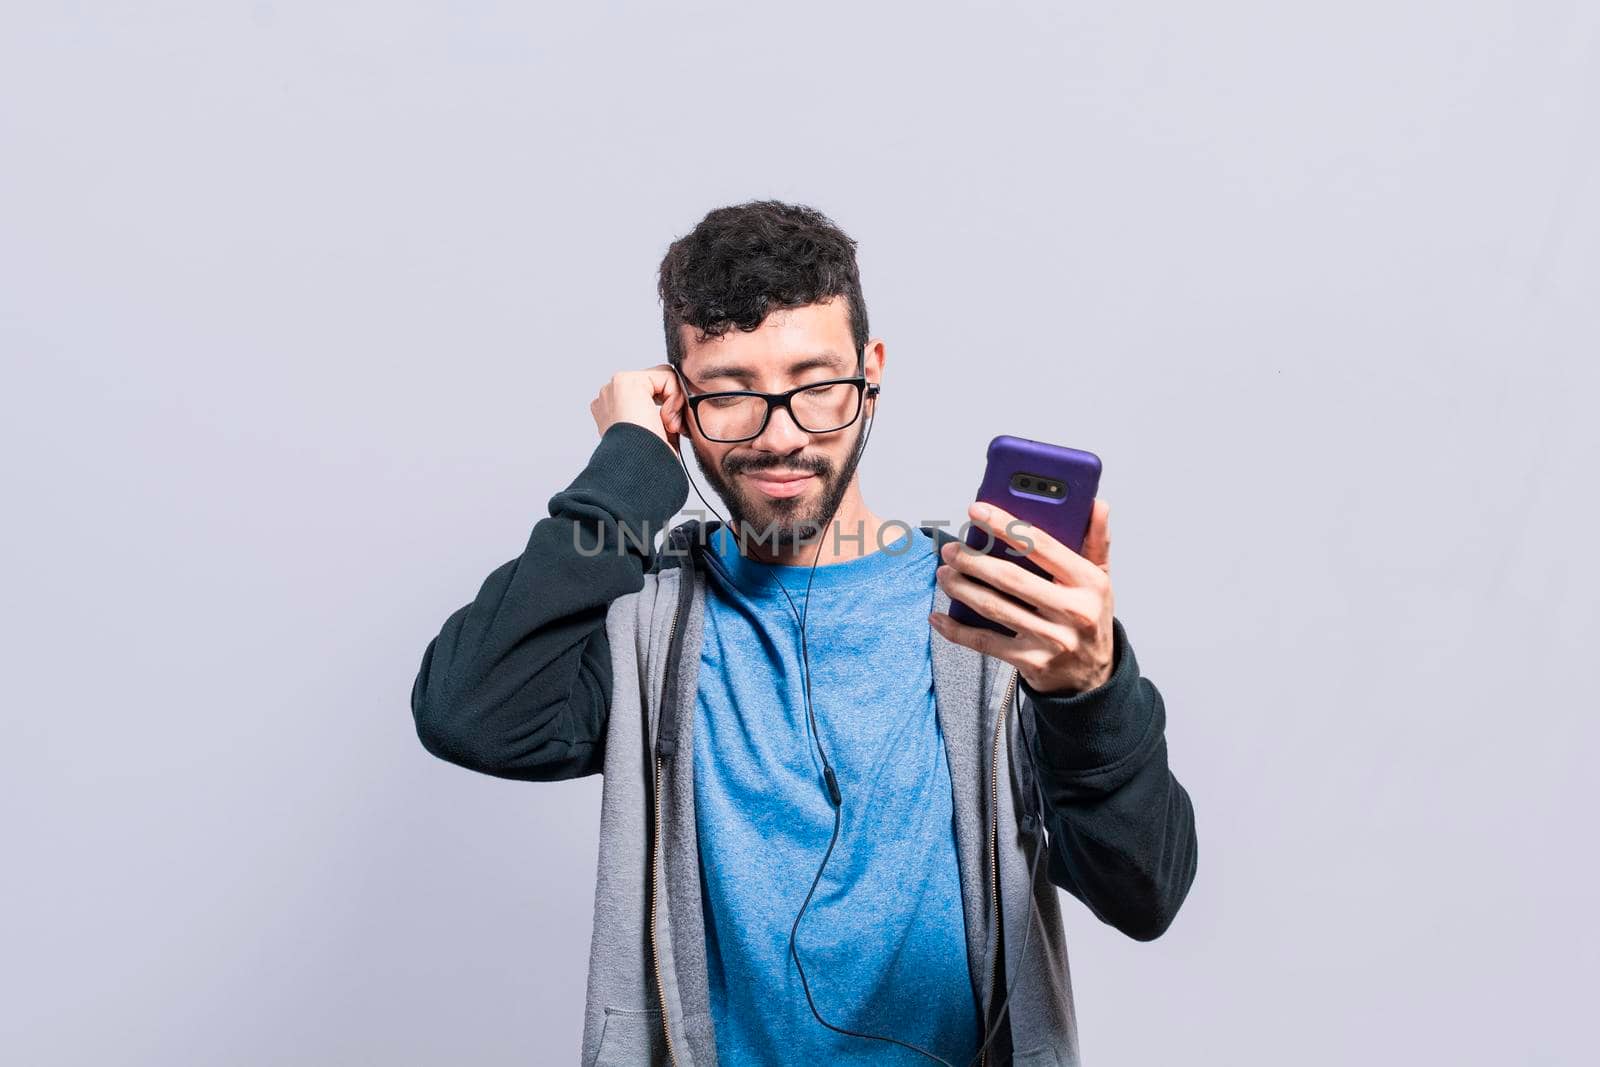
781 523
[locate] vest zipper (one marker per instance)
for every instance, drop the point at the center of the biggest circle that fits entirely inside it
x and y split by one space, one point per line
655 875
994 832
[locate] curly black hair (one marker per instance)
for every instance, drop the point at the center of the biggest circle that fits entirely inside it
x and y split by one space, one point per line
742 262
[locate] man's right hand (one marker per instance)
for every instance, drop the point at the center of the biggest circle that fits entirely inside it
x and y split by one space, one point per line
650 398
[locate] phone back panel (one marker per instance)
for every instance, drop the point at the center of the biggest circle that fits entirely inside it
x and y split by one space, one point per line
1066 518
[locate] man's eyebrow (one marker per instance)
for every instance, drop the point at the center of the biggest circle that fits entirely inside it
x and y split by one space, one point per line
825 360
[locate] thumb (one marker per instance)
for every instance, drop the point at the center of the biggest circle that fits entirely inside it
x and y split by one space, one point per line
663 381
669 395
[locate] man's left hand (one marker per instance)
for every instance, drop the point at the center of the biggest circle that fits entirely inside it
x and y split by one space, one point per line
1063 641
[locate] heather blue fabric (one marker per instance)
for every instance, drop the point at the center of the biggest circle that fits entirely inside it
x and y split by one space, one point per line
883 940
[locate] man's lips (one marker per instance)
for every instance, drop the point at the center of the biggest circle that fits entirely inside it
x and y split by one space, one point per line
781 483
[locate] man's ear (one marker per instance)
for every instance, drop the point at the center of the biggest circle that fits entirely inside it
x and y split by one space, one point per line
872 360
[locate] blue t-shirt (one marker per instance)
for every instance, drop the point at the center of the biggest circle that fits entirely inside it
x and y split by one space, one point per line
883 941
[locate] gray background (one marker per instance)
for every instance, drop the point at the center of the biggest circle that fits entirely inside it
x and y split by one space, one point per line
302 307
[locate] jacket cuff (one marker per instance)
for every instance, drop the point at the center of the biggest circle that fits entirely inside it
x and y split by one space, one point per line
1091 730
633 475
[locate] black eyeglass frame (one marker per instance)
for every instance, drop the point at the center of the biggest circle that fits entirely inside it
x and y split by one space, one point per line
864 390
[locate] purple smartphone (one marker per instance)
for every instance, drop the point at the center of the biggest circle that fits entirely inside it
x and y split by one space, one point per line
1049 486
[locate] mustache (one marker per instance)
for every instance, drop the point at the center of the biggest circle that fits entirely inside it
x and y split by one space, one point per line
778 465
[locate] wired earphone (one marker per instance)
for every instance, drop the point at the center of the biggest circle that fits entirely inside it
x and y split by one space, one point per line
831 781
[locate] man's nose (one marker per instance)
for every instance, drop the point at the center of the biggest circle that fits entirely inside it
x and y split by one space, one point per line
781 434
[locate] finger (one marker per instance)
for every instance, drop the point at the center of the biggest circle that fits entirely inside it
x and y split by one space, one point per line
668 392
1097 542
1007 576
663 382
1031 627
1079 607
989 642
1036 544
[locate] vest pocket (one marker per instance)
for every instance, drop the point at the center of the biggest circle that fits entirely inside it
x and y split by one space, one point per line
630 1038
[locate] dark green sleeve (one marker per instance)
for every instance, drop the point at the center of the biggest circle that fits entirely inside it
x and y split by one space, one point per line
1120 827
517 683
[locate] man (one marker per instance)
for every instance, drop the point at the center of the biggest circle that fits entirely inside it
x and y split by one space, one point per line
818 822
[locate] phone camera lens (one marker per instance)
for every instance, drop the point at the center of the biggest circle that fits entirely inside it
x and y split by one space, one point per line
1027 483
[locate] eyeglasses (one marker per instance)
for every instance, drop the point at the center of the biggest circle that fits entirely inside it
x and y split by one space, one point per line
742 414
